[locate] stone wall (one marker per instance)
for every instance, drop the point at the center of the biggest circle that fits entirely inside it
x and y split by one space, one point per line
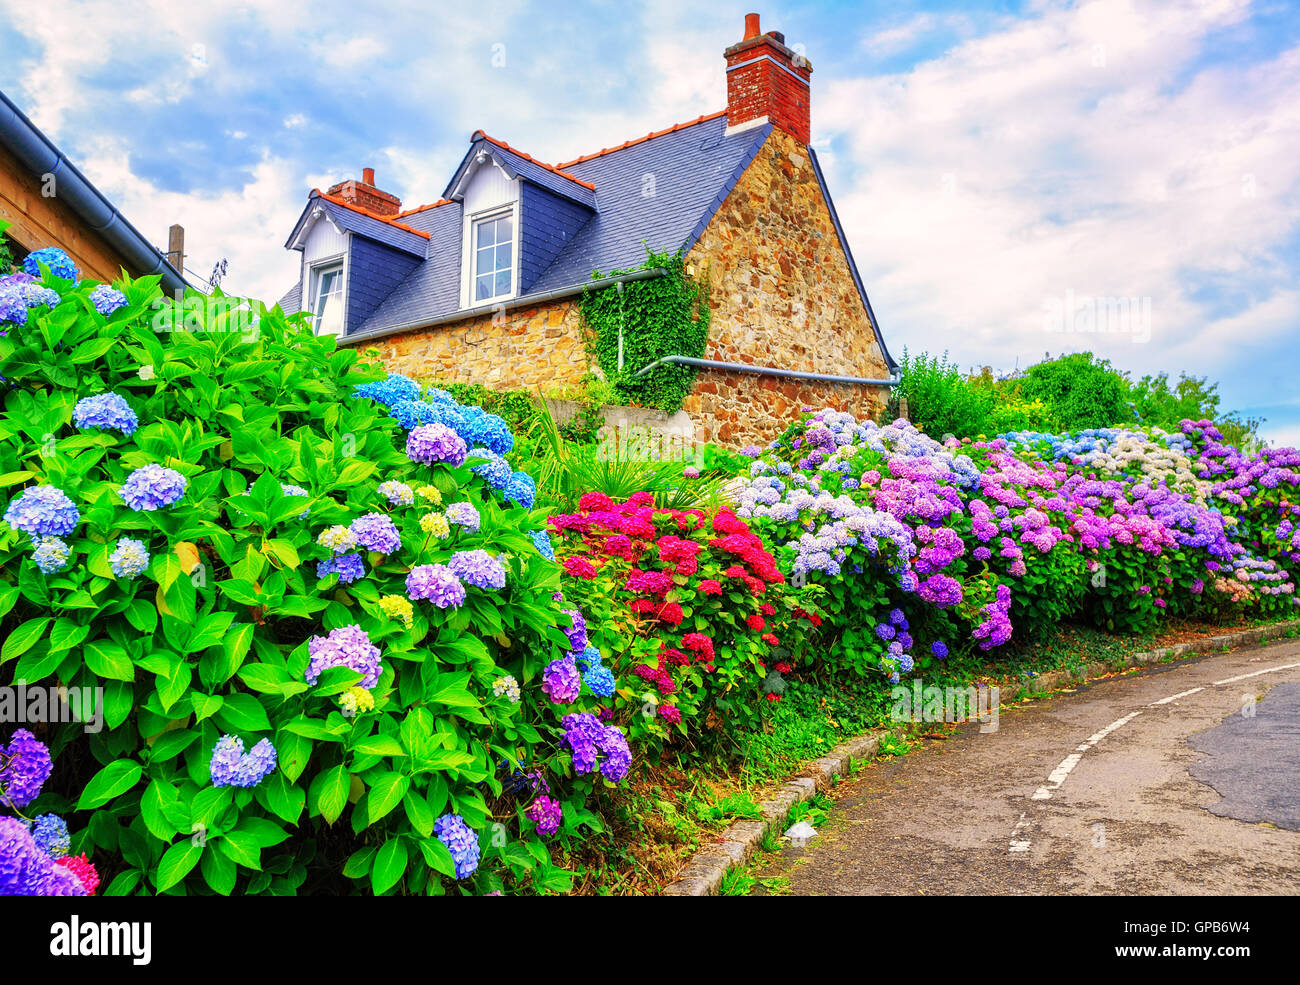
524 348
782 291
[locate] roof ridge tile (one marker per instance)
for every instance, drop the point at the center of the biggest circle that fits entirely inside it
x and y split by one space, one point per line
344 203
532 160
703 118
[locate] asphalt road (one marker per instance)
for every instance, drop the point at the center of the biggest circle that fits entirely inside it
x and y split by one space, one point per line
1179 780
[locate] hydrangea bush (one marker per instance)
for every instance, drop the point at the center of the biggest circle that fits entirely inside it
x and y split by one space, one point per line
317 605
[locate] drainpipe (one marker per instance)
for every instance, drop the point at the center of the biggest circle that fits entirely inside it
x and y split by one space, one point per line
762 371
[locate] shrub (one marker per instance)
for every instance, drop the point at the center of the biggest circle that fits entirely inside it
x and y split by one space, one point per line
320 640
940 398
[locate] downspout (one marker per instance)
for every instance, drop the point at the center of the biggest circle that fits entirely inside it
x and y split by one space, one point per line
762 371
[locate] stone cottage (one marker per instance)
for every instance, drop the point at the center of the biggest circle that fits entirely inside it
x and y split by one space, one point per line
483 285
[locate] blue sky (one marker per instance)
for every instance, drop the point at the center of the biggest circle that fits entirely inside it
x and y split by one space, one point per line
992 162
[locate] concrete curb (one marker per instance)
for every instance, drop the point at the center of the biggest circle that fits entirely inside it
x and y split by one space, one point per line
703 873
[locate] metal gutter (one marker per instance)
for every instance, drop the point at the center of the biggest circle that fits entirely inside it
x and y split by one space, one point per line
525 301
761 371
35 152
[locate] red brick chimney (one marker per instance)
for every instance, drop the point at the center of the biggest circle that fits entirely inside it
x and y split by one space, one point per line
765 79
364 195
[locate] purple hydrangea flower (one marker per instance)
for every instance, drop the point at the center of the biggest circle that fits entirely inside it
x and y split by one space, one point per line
429 444
461 842
577 633
105 410
939 649
376 532
437 583
43 511
13 306
547 814
349 568
561 681
24 767
464 515
26 870
232 767
592 743
347 646
152 487
478 568
107 299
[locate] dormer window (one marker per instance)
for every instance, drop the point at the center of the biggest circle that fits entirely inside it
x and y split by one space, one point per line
327 299
494 256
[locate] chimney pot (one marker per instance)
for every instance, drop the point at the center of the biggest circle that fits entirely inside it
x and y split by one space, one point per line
752 30
368 175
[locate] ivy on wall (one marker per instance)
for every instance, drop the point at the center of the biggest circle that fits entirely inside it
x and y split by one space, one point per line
659 316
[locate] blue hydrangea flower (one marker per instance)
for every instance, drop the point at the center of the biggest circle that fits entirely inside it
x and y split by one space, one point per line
107 299
478 568
488 430
461 842
413 413
38 295
600 680
43 511
349 568
542 541
521 489
60 263
288 489
50 832
495 471
588 658
391 391
152 487
51 555
230 766
105 410
130 558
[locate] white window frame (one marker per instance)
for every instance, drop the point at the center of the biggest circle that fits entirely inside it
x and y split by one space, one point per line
470 253
318 268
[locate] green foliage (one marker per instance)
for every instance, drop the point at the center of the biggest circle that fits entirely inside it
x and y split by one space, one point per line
213 638
660 316
940 400
1081 390
1155 402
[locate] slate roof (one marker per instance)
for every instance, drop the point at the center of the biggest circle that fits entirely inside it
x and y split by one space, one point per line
657 192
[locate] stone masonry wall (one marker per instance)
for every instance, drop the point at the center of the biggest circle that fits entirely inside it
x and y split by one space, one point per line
524 348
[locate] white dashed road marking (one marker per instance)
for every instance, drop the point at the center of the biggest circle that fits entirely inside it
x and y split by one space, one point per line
1020 841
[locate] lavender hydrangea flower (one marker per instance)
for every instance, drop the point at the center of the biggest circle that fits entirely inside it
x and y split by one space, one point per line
26 870
464 515
230 766
50 832
349 568
461 842
107 299
13 306
43 511
152 487
577 633
478 568
430 444
547 814
58 262
129 559
376 532
437 583
51 555
24 767
561 681
105 410
594 745
347 646
397 493
38 295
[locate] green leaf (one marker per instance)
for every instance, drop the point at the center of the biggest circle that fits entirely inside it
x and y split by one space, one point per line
109 660
219 872
418 812
329 793
243 713
241 847
386 792
379 745
113 780
23 638
177 862
390 865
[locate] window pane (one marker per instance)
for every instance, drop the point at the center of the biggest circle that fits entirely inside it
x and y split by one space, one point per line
503 255
484 263
503 282
483 290
505 230
485 234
